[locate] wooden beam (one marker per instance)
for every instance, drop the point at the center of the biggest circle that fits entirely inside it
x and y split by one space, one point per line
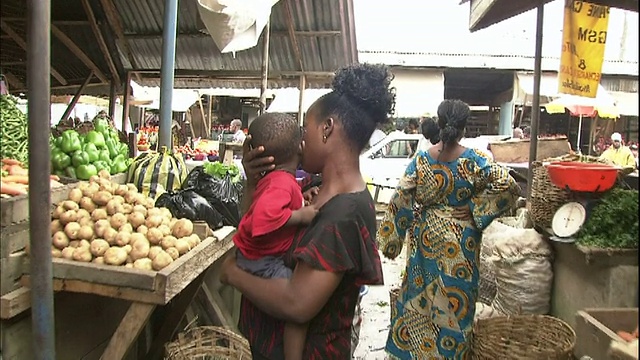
115 77
153 36
14 303
126 101
301 109
75 49
292 35
18 40
127 332
76 97
113 18
250 75
55 22
13 81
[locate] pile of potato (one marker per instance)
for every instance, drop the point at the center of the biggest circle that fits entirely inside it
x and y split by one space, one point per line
108 223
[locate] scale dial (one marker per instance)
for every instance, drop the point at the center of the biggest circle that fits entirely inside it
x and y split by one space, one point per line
568 219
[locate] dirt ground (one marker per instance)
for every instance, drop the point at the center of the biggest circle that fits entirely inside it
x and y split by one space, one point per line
375 312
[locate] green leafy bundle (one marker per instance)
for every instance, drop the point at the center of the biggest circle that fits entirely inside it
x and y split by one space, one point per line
14 130
219 170
613 222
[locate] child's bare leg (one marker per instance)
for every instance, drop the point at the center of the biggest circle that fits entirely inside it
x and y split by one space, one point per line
295 336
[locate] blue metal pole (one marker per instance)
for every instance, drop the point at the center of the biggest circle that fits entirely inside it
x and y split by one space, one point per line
39 114
167 71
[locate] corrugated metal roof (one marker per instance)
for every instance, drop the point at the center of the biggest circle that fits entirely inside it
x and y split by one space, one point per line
504 62
197 54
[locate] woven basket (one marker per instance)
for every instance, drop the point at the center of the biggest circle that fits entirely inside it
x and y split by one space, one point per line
208 343
487 286
523 337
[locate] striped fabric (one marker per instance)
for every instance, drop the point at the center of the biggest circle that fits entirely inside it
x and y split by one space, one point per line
153 172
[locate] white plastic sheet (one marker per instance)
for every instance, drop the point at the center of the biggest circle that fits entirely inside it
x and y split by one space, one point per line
235 25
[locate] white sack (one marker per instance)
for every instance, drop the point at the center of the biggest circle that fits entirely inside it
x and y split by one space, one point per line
521 261
235 25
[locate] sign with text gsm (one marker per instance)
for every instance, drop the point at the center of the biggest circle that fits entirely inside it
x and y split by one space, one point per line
584 36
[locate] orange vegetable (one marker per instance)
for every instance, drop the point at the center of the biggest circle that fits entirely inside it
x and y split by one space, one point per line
18 179
11 162
55 177
17 170
12 189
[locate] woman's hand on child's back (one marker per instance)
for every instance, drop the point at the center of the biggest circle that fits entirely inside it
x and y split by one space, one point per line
307 214
253 160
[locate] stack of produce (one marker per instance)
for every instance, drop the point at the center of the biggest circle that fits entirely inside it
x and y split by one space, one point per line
82 156
197 154
107 223
13 131
14 179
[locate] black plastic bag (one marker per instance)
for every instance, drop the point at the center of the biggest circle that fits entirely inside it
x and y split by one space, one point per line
224 195
193 178
188 204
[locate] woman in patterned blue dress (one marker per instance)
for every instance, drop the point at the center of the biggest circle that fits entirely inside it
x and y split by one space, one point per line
433 315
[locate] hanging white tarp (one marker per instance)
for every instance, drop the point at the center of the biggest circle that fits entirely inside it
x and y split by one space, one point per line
235 25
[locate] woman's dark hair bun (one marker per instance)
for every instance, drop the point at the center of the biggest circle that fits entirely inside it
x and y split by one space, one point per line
368 87
452 120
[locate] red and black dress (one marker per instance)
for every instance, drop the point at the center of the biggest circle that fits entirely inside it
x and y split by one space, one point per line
340 239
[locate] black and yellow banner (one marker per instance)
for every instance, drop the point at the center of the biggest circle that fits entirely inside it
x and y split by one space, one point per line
584 36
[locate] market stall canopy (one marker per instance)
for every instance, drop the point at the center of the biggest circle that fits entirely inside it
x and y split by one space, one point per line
603 104
287 100
235 25
523 90
484 13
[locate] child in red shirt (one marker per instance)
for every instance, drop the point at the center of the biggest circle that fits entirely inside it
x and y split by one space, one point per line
267 229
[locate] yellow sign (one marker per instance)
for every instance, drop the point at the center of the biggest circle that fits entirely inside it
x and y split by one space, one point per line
584 36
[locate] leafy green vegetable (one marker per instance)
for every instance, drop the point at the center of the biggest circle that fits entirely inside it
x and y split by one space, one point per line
14 130
613 222
220 170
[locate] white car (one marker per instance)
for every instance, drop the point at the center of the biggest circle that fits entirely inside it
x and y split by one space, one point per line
385 162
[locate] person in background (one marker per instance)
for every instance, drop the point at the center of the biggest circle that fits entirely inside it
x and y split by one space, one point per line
618 154
526 132
236 128
517 133
634 151
431 130
412 127
445 199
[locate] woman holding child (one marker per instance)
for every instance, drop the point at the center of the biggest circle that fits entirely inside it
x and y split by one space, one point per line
336 253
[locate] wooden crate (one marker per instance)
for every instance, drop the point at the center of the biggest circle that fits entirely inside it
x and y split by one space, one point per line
596 328
517 150
15 210
153 287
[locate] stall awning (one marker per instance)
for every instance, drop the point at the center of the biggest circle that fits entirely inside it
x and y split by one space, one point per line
287 100
523 88
627 103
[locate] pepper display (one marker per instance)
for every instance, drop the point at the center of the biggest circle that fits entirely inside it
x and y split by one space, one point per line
82 156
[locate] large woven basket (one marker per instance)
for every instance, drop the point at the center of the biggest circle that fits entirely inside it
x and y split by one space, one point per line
487 286
208 343
523 337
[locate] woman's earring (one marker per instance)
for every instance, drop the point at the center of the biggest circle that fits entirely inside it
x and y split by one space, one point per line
324 139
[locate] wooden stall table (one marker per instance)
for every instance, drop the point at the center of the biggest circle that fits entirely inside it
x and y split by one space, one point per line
171 289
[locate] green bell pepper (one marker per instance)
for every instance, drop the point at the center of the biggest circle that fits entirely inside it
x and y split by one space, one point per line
59 160
84 172
57 141
101 125
79 158
92 151
70 171
119 165
95 138
123 149
112 146
104 155
102 165
70 141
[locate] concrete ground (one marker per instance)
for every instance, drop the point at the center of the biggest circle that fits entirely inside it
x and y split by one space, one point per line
375 312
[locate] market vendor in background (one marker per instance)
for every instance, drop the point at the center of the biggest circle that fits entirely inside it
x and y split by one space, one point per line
619 154
634 151
236 128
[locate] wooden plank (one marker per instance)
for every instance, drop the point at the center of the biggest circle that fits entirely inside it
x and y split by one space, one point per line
292 36
128 331
517 151
216 305
14 303
16 209
116 292
187 267
105 274
103 45
13 238
13 81
23 44
176 311
77 51
113 19
10 272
